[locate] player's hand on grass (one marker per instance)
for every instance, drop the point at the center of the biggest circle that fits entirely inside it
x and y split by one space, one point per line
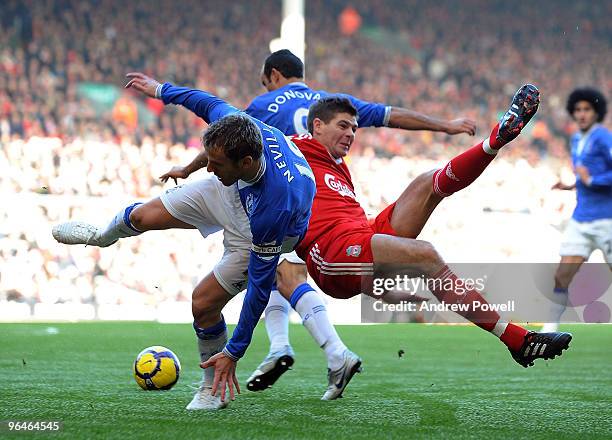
461 125
142 83
177 172
225 375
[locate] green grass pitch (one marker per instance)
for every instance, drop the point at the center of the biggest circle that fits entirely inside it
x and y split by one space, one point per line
452 382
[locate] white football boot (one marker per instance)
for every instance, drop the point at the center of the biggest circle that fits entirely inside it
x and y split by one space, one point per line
204 400
339 379
80 233
270 369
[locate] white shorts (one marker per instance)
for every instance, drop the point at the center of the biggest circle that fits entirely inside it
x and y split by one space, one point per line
210 206
582 238
290 257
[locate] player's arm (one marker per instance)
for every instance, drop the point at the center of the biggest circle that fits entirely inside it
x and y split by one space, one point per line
207 106
379 115
179 172
562 186
262 272
601 179
410 120
265 252
605 178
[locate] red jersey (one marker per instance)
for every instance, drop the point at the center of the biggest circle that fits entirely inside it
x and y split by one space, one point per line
335 202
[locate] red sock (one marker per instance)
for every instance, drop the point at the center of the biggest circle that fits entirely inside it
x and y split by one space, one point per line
446 287
462 170
513 336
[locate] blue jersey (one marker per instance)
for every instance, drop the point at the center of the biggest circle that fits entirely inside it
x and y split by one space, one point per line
593 150
286 108
277 204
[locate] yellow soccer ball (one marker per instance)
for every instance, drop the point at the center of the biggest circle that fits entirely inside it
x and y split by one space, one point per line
156 368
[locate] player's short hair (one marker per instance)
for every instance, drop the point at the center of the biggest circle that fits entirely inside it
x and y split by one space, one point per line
327 108
289 65
236 134
592 96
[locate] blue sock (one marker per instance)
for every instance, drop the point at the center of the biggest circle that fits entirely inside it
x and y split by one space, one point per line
210 332
211 340
299 292
126 216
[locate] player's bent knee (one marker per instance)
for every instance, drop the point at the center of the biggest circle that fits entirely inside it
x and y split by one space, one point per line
289 277
153 215
205 309
207 301
138 217
427 252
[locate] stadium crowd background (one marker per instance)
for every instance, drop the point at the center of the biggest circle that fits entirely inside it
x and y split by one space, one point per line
63 157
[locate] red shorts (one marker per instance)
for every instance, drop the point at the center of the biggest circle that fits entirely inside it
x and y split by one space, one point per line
341 261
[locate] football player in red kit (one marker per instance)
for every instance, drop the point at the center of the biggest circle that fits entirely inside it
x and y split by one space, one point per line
343 250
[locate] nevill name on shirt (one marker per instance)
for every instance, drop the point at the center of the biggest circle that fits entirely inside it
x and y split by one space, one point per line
277 153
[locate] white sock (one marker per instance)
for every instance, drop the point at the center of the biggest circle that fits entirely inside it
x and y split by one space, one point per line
314 316
211 341
120 226
277 321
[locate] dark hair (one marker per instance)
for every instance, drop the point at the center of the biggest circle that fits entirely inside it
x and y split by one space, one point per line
327 108
592 96
289 65
236 134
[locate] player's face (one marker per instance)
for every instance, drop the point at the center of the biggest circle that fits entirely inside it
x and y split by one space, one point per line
226 170
584 115
337 135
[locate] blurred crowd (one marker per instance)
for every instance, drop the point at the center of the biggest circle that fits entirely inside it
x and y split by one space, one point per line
61 157
429 56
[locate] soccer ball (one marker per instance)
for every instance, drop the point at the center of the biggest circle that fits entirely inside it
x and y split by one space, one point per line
156 368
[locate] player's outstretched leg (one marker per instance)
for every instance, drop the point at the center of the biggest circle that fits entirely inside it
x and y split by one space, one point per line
281 356
418 201
463 170
128 222
525 346
78 232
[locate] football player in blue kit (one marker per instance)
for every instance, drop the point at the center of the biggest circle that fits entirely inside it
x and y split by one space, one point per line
263 191
286 104
590 227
